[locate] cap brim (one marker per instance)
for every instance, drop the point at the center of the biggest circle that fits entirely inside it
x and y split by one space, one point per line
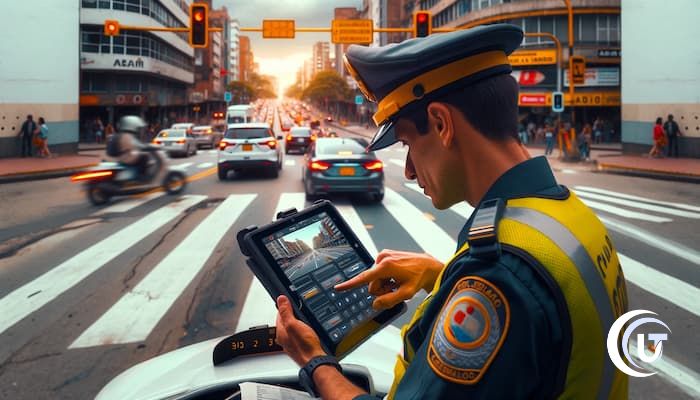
384 137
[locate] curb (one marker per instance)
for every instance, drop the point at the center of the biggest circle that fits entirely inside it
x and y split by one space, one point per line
45 174
648 173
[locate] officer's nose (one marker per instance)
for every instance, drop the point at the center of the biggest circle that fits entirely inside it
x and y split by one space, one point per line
409 171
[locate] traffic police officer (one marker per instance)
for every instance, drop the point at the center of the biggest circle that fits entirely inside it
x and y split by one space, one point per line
524 307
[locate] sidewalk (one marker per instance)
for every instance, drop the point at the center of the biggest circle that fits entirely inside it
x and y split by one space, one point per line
605 157
24 169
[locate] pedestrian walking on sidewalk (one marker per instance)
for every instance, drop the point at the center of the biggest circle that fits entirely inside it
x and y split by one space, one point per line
659 139
672 132
99 130
26 135
549 139
43 138
584 142
597 130
109 131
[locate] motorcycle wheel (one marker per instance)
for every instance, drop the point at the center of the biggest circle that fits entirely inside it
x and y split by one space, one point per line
174 182
97 195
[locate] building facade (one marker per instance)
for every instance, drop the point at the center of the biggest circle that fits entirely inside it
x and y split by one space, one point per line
340 49
136 72
234 62
245 57
658 80
596 37
40 73
321 57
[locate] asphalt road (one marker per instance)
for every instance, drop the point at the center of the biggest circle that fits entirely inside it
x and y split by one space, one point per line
87 292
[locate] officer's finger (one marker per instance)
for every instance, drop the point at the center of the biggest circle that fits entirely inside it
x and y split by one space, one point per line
284 311
391 299
379 287
383 254
363 278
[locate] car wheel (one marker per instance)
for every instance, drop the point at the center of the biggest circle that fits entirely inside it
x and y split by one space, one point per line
222 173
310 195
376 197
275 172
174 182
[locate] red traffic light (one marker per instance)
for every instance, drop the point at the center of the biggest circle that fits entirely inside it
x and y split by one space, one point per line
199 25
111 27
199 16
422 18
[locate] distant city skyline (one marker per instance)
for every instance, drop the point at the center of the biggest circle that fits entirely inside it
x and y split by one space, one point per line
283 57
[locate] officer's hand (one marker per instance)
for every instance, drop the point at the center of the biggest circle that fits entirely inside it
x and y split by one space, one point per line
397 276
297 339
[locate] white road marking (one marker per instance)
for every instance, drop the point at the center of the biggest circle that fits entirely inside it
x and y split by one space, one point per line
662 285
632 197
432 239
400 163
462 209
28 298
259 308
212 151
290 163
205 165
137 313
130 204
569 171
353 219
623 212
641 206
679 375
182 166
649 239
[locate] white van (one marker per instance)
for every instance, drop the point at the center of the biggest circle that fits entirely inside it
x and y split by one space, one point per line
240 114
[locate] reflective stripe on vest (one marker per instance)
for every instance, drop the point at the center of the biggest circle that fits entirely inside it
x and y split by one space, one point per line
566 238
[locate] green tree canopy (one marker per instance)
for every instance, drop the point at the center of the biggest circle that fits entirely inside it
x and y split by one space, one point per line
295 91
327 86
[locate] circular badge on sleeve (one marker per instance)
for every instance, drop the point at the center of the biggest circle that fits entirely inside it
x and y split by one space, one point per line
469 331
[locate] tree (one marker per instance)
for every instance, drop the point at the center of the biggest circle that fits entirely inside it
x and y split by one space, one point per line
295 91
327 87
241 92
262 86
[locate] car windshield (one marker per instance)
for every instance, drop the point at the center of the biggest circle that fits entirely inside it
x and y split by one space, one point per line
339 147
247 133
171 133
301 132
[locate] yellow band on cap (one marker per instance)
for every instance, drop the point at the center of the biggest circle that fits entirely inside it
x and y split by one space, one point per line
435 79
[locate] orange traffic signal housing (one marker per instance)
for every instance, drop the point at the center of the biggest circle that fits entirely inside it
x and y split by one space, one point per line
422 24
199 25
111 27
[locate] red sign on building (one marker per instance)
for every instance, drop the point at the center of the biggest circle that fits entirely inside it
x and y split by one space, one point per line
532 99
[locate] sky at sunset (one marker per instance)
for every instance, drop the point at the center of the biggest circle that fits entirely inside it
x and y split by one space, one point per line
283 57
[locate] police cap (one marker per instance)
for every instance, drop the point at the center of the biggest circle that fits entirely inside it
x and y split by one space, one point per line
401 74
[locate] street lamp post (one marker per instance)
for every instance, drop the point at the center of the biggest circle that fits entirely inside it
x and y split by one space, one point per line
572 131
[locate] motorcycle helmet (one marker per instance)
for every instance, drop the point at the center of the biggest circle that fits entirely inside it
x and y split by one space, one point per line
131 123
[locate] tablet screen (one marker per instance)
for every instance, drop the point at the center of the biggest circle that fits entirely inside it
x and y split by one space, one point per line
315 256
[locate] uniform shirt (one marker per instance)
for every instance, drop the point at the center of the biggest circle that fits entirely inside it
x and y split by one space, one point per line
530 357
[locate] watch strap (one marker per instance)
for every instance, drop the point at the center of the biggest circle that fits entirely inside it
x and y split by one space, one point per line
311 366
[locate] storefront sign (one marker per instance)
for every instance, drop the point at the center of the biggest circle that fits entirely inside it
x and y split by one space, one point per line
533 99
583 99
529 77
533 57
609 53
600 76
128 63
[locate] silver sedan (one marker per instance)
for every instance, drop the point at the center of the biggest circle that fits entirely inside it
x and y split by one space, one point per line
176 142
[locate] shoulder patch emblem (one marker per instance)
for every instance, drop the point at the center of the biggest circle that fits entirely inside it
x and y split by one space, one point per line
469 331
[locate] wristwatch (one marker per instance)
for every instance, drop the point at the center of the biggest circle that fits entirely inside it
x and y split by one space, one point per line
306 373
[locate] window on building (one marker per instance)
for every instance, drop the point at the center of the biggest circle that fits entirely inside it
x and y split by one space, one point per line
118 5
586 28
133 6
94 83
89 3
127 84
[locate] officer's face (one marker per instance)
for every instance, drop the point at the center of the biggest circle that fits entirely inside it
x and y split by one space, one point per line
430 164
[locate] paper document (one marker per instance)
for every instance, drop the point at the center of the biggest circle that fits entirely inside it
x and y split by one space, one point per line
261 391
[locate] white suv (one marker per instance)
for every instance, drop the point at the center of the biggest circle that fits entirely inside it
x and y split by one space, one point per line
247 146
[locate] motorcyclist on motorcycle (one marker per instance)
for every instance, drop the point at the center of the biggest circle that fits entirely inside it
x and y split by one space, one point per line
125 147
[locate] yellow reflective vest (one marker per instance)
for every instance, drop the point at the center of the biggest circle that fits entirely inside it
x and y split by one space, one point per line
568 241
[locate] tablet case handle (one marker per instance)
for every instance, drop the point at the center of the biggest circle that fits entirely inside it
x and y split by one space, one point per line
286 213
240 236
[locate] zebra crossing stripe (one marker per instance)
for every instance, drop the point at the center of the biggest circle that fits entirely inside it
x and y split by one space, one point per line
636 204
353 219
157 292
205 165
290 163
130 204
212 152
182 166
28 298
639 198
259 308
623 212
680 293
432 239
677 374
650 239
400 163
462 209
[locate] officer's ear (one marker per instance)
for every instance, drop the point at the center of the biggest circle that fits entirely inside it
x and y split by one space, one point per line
440 122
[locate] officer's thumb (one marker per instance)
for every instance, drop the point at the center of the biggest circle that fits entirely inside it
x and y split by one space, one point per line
284 307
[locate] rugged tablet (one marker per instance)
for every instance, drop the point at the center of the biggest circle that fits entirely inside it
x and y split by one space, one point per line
303 255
